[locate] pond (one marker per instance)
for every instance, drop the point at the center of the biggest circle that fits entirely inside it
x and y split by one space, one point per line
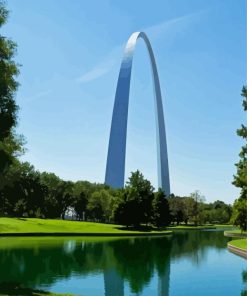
193 263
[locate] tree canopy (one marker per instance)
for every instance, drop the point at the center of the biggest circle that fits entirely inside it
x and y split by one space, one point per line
239 217
10 143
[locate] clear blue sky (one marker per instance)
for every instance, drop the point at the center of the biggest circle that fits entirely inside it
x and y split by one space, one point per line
70 53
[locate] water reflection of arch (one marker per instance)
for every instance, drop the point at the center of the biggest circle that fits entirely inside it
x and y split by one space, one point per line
114 283
137 260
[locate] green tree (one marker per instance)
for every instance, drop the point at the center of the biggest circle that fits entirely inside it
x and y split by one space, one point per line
100 205
189 209
239 215
23 194
197 206
140 195
121 209
176 205
134 203
80 204
8 107
240 179
58 195
161 212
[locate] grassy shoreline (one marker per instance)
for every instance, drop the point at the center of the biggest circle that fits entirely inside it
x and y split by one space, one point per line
235 233
49 227
184 227
200 227
238 247
239 243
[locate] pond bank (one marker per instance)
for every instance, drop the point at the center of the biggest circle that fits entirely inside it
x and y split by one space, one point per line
191 227
74 234
238 247
235 233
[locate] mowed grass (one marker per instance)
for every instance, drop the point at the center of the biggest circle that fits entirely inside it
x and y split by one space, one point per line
33 225
239 243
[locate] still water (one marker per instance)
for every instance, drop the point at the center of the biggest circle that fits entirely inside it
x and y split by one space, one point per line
193 263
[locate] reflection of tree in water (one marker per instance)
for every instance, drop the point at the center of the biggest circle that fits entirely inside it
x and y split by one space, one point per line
194 244
135 260
244 276
43 265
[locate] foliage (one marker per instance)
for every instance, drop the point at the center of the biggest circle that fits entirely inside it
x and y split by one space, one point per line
134 205
187 210
239 215
198 200
140 192
240 179
23 194
100 205
160 206
177 207
10 143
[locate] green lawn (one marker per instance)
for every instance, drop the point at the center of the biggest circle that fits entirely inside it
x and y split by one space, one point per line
240 243
32 225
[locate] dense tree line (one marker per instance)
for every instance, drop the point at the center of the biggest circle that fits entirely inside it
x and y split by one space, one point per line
29 193
193 209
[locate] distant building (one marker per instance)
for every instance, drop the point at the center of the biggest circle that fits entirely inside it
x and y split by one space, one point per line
70 214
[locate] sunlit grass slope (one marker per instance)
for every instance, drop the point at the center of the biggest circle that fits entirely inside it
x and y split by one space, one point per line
239 243
32 225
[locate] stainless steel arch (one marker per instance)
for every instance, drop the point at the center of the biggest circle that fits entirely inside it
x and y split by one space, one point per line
115 166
